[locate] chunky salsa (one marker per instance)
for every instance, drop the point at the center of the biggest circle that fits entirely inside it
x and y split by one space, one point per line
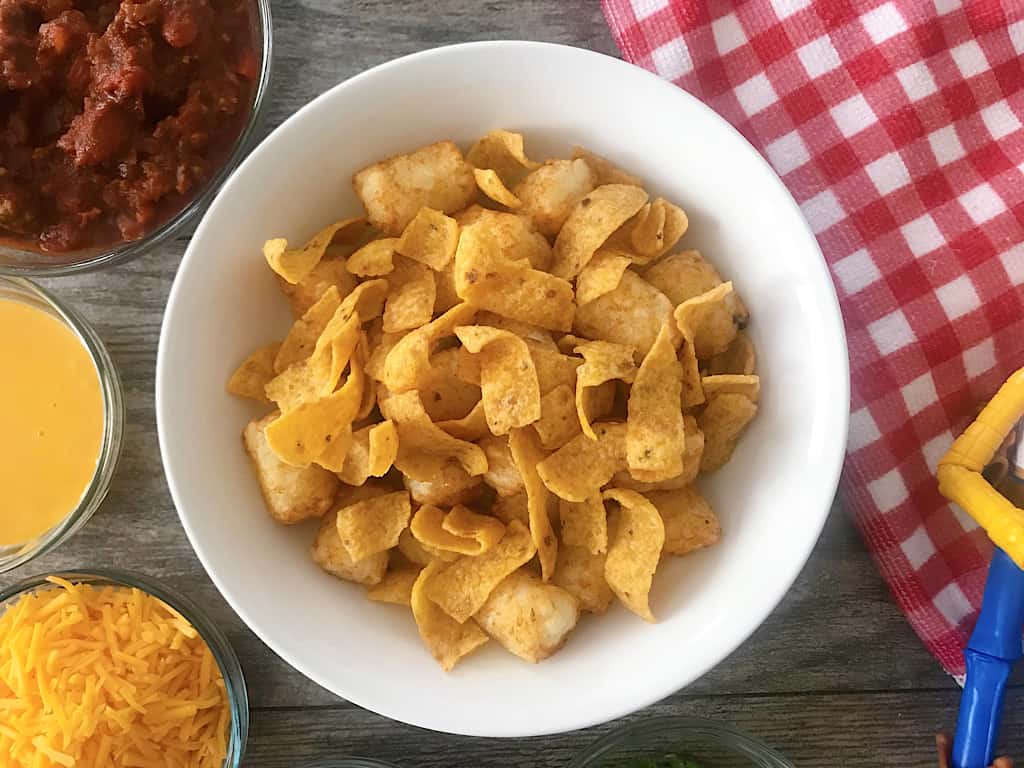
113 113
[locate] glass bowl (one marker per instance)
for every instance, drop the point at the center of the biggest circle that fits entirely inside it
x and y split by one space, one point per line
19 289
26 262
710 744
223 653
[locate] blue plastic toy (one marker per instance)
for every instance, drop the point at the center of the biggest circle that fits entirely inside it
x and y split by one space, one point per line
994 647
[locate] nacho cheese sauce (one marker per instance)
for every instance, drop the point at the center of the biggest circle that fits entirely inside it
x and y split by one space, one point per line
51 421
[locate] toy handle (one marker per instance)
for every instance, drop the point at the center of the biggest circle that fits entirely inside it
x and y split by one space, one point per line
991 652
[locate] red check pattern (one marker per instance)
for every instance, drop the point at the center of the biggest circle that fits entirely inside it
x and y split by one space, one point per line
898 126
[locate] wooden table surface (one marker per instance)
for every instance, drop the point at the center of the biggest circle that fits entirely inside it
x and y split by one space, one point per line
834 677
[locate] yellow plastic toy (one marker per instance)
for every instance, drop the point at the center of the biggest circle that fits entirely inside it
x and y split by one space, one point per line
995 642
960 478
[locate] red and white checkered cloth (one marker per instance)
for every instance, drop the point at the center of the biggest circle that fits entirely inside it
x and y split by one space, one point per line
897 126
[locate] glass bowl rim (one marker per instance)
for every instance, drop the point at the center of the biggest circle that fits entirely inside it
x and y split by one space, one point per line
113 424
682 725
215 639
122 252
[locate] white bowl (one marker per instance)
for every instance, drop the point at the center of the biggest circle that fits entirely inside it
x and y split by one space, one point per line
772 498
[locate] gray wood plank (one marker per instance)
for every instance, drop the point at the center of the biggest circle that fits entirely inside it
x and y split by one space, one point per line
319 43
863 730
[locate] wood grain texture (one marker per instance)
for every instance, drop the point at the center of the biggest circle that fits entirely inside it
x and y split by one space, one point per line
835 672
814 730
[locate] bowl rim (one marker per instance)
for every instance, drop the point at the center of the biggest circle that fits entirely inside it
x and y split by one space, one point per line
119 253
215 639
114 418
832 458
683 725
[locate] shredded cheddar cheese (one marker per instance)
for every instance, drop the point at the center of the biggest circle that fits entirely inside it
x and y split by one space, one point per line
107 676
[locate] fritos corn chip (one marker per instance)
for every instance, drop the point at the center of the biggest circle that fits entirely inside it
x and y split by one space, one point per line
430 238
307 292
632 314
490 184
605 361
410 302
301 339
722 422
510 235
380 344
318 431
509 508
466 532
656 230
559 421
731 383
584 524
504 153
409 360
462 587
568 342
418 553
692 390
582 466
373 525
683 276
607 172
470 427
445 288
367 299
531 334
395 587
502 473
467 368
739 358
508 379
635 540
371 454
416 432
486 279
708 322
446 639
591 222
527 454
251 377
330 554
445 396
689 522
638 480
374 259
317 376
581 574
296 263
602 275
549 193
654 429
467 524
